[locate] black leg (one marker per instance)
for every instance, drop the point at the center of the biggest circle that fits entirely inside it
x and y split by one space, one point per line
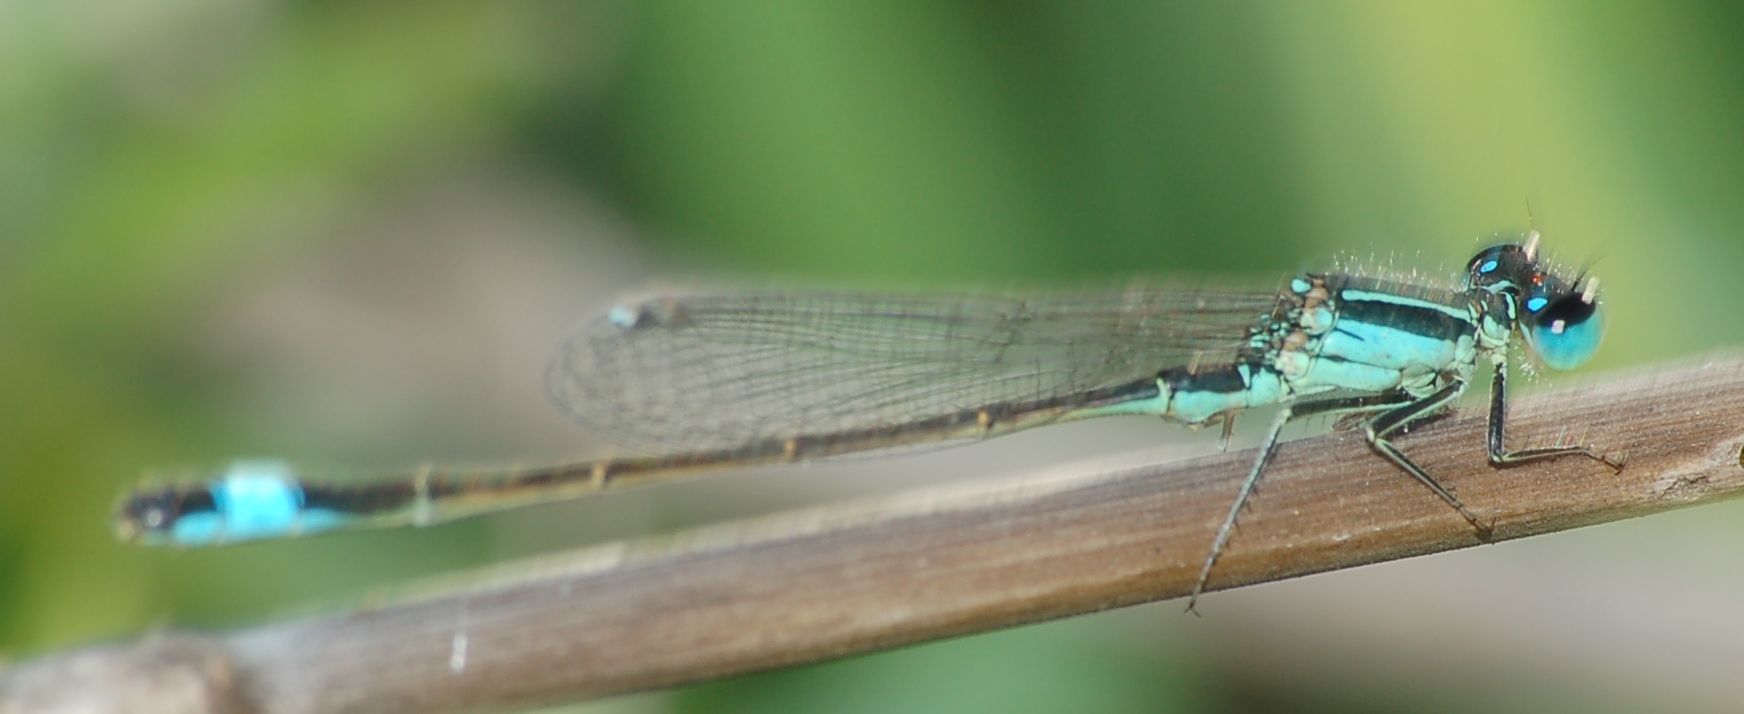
1399 410
1389 400
1501 457
1384 425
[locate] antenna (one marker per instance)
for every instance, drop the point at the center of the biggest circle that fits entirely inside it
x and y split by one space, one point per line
1532 234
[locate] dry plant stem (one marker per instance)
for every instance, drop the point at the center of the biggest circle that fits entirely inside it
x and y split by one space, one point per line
829 582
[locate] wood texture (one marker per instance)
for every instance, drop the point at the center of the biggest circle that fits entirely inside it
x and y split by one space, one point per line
828 582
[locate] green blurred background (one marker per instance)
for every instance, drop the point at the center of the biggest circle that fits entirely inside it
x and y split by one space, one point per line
353 233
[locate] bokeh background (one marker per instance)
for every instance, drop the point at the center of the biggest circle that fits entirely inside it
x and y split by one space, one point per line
350 233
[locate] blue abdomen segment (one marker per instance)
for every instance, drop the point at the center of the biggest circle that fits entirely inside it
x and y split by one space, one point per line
253 500
1194 396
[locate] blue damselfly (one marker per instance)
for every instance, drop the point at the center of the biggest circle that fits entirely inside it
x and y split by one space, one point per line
706 382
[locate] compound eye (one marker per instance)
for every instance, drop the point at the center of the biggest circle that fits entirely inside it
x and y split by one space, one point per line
1564 332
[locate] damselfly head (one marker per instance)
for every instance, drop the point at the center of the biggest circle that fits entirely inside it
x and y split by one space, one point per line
1559 318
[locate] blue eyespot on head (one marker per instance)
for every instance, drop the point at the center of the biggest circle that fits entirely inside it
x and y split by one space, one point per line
1501 267
1564 331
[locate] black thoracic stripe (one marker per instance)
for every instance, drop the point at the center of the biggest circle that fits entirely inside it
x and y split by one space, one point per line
1422 321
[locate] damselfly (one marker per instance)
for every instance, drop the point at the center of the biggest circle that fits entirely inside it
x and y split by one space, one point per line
733 380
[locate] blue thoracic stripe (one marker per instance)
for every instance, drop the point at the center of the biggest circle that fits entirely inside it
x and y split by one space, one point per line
1373 337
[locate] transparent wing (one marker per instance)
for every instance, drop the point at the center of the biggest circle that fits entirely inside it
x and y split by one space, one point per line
713 371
